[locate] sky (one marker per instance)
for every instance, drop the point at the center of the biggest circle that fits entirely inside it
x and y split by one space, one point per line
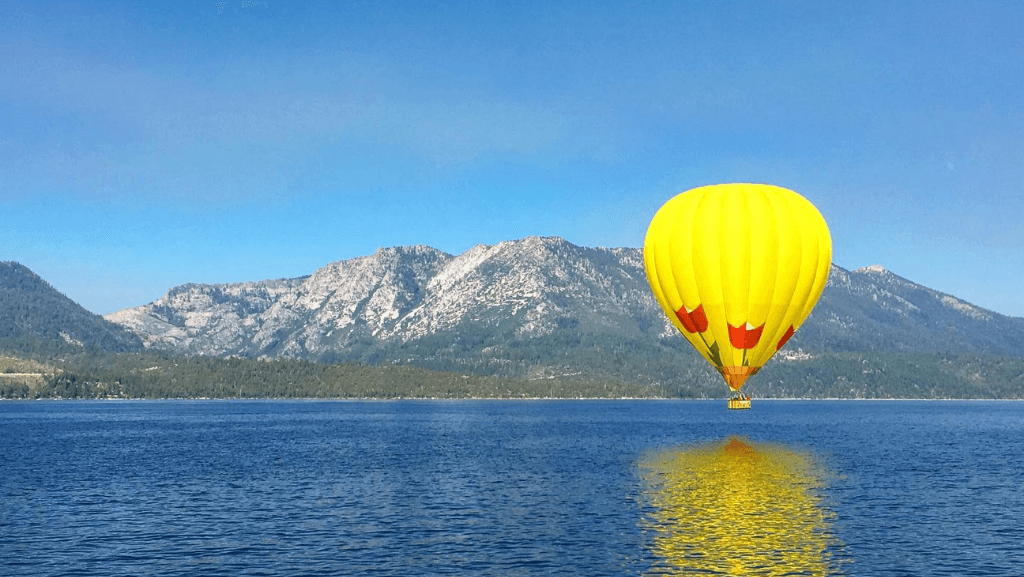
144 145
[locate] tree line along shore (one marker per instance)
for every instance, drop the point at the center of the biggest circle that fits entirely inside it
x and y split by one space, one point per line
829 375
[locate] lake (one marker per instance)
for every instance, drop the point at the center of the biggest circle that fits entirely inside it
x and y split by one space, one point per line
511 488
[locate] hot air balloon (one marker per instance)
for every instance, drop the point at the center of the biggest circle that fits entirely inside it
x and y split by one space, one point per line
737 268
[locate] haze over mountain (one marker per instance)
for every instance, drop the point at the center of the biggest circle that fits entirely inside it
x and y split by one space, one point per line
533 306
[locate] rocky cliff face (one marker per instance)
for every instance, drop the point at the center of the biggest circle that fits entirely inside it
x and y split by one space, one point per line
539 297
520 289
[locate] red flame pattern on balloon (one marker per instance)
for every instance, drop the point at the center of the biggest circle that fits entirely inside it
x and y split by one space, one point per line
742 337
694 321
785 338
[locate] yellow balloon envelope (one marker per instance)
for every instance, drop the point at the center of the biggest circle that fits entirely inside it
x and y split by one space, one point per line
737 268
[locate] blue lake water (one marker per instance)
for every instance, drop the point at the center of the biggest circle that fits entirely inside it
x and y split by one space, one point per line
511 488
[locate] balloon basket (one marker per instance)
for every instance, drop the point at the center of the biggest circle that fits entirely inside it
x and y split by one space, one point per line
739 403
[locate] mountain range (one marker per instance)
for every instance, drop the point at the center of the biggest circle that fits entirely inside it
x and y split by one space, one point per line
531 308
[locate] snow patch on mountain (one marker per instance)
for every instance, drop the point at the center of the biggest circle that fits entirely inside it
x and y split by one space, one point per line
965 308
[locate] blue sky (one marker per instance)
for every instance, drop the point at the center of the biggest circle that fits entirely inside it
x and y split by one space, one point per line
146 145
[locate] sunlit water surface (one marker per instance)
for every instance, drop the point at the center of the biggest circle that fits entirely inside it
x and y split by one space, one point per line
511 488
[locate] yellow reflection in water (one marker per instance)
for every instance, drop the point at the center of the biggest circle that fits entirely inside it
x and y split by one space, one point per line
738 507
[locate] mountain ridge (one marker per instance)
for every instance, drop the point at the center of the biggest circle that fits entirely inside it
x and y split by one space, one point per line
544 315
493 298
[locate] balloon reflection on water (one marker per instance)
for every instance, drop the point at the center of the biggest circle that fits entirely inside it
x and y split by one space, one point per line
738 507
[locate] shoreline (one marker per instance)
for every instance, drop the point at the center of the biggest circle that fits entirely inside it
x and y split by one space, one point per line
502 399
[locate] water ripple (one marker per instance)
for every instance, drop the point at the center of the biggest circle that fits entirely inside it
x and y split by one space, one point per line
493 488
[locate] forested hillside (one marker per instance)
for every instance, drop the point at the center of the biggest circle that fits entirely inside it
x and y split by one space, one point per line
36 318
151 376
831 375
